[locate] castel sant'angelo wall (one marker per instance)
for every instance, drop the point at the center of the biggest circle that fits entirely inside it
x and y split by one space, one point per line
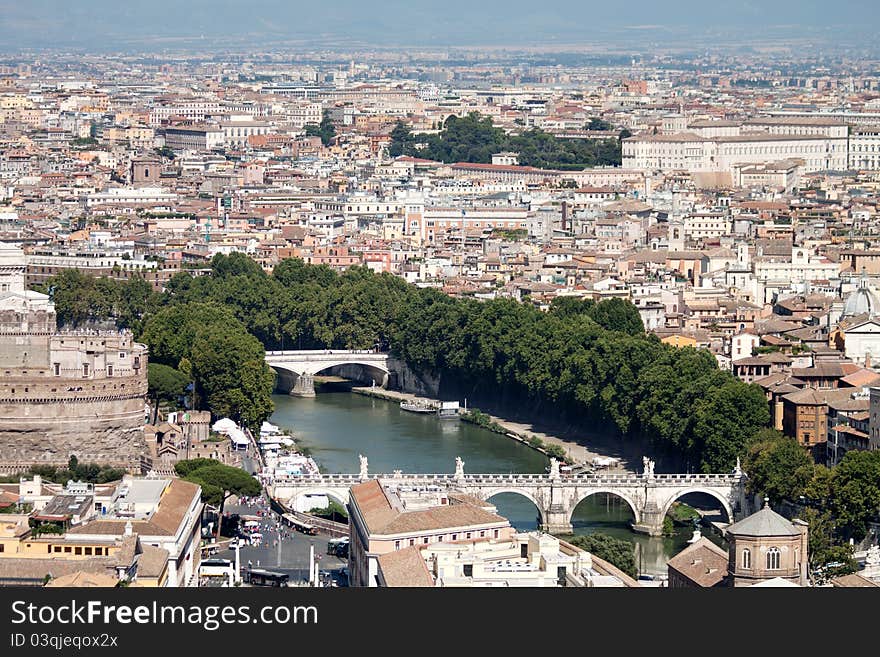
64 392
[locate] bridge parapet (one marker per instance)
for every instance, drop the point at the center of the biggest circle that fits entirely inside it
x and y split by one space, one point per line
539 479
556 496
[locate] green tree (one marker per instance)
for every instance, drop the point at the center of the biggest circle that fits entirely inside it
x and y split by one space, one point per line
218 481
726 419
231 375
326 130
828 557
778 467
613 550
855 492
165 151
617 315
596 123
165 383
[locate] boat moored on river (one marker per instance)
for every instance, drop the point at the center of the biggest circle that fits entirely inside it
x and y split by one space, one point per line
418 406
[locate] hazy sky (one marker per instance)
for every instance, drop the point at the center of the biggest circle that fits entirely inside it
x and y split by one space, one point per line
101 23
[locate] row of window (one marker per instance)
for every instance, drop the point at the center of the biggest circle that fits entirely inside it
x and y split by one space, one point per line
772 559
87 551
440 538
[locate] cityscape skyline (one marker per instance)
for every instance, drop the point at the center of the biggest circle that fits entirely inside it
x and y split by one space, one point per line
100 25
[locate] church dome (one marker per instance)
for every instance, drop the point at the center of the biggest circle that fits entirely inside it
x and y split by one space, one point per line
860 302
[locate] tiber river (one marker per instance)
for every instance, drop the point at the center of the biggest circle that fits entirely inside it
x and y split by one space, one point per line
334 427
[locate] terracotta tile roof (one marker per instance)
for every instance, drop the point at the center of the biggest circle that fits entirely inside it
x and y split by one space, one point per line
441 517
381 518
405 568
84 579
853 580
152 562
864 377
25 568
703 562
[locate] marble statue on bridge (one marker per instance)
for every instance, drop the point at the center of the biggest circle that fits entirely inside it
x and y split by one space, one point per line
554 468
364 474
648 467
459 468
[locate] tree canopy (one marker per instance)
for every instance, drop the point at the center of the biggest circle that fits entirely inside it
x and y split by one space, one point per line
474 138
218 481
326 130
226 363
585 362
615 551
778 467
165 383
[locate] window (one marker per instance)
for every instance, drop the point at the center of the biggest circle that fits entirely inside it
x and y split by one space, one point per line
747 559
412 542
496 533
78 550
396 545
85 369
88 551
455 537
57 367
109 370
425 540
482 533
468 535
773 558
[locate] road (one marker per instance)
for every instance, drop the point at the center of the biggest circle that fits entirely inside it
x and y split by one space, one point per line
287 554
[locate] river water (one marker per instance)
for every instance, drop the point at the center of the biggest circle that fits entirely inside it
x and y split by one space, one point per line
335 427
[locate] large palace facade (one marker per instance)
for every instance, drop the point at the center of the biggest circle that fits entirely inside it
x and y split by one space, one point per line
63 393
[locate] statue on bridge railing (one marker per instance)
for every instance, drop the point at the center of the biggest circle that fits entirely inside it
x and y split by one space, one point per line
554 468
648 467
459 468
364 467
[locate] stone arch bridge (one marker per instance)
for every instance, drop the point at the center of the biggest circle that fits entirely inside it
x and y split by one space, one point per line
296 369
648 495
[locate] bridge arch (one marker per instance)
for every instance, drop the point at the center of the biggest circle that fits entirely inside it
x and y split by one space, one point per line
512 490
285 377
609 491
378 371
725 502
331 493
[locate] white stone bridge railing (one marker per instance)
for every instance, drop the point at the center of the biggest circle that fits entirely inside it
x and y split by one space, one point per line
555 495
612 479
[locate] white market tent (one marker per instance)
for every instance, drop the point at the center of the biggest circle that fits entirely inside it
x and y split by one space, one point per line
238 438
224 425
267 427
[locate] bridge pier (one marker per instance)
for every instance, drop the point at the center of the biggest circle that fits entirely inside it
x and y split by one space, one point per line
557 520
651 521
304 386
